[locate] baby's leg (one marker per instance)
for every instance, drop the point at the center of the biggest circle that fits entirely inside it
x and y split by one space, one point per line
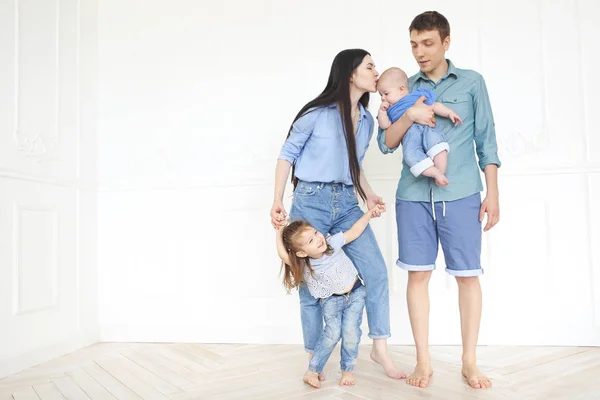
413 151
351 333
437 149
435 144
435 173
441 161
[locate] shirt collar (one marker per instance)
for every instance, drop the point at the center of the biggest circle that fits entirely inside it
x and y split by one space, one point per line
451 71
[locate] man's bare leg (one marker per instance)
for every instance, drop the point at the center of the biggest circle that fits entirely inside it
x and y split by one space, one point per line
379 354
417 296
469 302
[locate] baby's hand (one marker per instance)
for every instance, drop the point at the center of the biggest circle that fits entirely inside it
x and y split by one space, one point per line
384 106
376 210
454 118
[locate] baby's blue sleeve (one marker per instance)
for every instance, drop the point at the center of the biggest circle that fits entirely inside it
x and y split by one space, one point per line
430 97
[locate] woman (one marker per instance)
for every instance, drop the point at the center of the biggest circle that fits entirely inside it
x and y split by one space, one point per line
325 148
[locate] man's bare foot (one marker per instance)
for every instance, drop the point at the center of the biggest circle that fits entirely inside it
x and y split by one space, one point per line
475 378
312 379
420 378
347 379
388 365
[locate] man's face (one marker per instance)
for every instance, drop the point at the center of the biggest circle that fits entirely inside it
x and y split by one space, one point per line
429 49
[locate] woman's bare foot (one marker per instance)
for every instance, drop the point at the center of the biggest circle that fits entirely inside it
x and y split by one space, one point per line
312 379
475 378
420 378
386 362
347 379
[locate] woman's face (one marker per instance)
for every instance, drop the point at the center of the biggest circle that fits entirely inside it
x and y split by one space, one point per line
364 77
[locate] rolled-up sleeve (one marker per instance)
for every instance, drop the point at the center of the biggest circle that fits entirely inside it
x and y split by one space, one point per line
299 135
485 131
381 142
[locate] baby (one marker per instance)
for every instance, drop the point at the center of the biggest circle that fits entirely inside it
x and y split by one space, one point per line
424 149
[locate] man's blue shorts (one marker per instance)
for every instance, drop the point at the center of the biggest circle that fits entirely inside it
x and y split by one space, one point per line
455 223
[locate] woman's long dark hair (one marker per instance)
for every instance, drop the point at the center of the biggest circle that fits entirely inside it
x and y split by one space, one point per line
337 92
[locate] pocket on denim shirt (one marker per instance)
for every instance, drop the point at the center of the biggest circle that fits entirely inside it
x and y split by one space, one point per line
461 104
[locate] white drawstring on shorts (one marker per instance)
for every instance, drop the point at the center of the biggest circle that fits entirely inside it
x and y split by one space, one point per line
433 207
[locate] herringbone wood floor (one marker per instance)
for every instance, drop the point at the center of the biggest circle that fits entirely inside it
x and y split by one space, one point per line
273 372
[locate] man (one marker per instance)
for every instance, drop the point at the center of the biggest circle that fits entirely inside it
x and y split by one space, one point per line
452 213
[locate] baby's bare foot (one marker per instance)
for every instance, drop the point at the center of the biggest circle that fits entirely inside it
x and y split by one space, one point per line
312 379
347 379
441 180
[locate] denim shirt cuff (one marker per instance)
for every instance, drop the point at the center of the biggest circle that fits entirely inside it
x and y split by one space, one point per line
489 159
381 142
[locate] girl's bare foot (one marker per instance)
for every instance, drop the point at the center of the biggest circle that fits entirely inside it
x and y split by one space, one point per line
475 378
420 378
321 376
347 379
312 379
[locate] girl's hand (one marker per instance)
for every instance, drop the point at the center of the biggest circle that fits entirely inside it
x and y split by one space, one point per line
376 210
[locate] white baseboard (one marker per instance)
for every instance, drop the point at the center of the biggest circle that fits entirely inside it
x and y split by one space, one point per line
181 333
15 364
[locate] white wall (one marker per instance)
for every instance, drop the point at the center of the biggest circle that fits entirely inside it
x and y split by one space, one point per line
195 100
48 194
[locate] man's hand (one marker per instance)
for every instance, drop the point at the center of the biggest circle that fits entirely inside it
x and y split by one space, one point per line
491 206
421 113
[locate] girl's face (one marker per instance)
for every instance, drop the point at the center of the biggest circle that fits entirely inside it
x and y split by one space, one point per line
311 243
364 77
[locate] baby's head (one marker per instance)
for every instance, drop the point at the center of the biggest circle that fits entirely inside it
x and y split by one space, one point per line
392 85
302 242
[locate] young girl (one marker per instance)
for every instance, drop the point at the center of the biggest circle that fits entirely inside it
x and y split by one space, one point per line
333 279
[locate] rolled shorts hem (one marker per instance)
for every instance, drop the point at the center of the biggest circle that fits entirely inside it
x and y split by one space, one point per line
465 272
409 267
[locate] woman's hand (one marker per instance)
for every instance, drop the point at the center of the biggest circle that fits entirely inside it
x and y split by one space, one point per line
278 215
